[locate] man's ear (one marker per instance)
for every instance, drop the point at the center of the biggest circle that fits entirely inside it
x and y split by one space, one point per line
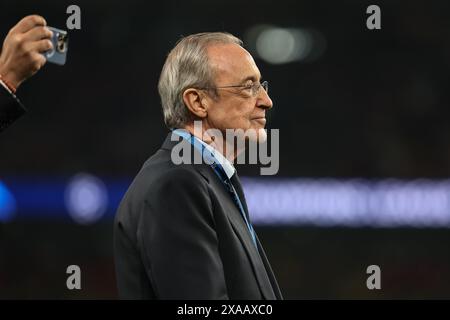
195 102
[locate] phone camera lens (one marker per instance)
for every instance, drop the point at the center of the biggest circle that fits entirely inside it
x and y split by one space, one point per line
61 43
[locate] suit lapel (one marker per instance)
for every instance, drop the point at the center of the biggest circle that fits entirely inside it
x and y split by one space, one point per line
273 280
237 185
240 228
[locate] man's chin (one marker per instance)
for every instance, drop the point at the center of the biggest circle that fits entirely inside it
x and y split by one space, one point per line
259 135
262 135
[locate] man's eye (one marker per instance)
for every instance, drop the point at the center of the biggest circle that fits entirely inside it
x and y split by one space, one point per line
248 86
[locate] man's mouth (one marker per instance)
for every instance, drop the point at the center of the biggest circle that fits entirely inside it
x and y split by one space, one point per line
261 120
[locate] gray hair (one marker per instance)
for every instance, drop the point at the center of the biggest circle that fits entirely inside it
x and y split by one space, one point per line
187 66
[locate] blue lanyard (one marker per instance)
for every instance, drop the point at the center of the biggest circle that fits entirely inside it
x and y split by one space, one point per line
220 172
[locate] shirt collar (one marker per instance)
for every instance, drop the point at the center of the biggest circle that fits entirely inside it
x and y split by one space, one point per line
223 161
218 157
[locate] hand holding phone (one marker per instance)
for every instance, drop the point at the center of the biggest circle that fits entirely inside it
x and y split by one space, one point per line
22 54
60 41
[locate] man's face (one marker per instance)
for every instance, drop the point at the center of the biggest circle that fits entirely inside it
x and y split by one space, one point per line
236 108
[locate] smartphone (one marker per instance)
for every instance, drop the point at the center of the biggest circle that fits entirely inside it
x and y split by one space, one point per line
58 54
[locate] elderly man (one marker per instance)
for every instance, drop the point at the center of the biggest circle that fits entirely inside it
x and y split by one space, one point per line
182 231
21 58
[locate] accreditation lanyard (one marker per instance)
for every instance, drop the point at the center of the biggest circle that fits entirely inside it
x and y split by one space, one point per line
220 172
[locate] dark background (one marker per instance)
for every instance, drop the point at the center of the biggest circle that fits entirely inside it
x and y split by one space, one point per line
374 105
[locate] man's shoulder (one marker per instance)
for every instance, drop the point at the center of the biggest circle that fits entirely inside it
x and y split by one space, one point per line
159 171
158 182
168 171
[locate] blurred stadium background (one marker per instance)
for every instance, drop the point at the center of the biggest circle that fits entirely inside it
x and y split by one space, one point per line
364 143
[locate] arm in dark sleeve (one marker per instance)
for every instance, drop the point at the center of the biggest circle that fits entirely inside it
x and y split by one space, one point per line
10 108
179 240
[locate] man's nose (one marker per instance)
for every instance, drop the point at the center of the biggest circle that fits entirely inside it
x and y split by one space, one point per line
264 100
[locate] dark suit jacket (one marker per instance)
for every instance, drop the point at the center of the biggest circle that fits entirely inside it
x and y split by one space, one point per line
178 234
10 108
